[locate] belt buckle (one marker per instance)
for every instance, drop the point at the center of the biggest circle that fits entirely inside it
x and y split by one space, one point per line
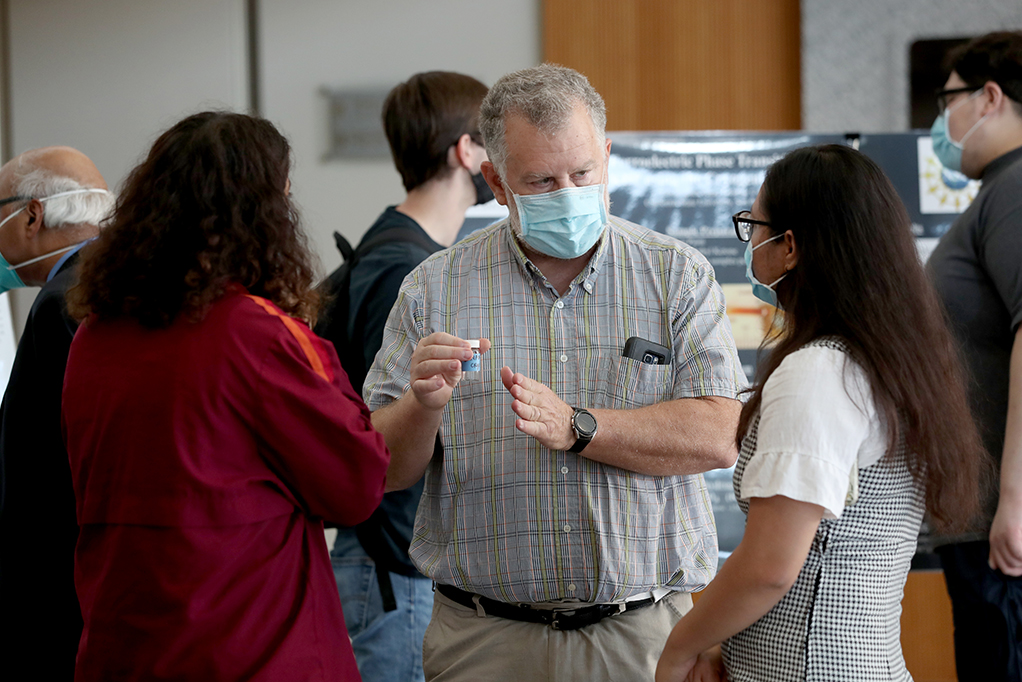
555 620
565 621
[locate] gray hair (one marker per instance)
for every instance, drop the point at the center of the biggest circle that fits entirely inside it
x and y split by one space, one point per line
545 95
73 210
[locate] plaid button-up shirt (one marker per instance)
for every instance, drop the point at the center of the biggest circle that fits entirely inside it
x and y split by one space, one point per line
502 515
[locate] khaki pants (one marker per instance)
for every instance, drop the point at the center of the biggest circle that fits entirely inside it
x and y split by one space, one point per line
464 646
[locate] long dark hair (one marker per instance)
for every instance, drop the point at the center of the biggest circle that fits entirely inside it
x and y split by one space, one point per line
206 209
859 278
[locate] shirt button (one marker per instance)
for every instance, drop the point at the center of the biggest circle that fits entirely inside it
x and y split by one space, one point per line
563 358
559 304
587 286
571 587
567 528
564 470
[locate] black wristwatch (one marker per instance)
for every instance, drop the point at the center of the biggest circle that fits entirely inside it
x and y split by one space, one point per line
584 424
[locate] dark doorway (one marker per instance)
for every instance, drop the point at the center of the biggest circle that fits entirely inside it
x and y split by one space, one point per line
926 62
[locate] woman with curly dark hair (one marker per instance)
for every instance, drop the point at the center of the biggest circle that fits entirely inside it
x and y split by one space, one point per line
209 430
857 425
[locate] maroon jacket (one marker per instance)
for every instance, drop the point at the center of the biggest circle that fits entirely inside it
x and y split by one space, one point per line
205 457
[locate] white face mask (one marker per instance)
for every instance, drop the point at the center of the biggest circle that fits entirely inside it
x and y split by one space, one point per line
764 292
10 279
949 152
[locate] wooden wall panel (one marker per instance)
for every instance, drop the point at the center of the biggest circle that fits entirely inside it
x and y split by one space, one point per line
683 64
927 631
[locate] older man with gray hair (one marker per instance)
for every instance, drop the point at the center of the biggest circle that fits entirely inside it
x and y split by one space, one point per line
52 201
567 520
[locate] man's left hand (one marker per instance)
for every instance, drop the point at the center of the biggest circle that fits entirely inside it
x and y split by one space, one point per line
541 414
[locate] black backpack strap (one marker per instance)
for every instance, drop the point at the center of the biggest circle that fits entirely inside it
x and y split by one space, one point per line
344 246
370 536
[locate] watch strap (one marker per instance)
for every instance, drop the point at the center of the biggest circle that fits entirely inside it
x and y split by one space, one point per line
582 439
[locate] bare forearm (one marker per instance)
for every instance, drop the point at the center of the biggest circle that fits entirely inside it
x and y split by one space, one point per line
410 431
1006 529
680 437
778 535
735 599
1011 458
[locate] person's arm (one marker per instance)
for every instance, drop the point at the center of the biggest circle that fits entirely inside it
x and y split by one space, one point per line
315 430
677 437
1000 245
778 535
1006 531
410 423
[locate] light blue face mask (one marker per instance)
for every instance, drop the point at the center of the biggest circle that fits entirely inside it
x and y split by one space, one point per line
9 279
947 150
764 292
563 224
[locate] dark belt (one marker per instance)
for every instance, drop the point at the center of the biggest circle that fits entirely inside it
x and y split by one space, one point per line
558 620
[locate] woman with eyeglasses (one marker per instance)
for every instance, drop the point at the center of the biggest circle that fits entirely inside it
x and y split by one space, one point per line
209 431
856 426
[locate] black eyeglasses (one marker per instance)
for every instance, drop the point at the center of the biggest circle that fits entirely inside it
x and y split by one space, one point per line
12 199
744 225
943 95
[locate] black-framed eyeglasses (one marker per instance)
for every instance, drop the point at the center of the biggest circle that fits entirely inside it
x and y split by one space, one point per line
942 95
9 200
744 225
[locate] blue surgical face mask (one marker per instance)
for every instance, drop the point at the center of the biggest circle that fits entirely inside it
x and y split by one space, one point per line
562 224
947 150
9 279
764 292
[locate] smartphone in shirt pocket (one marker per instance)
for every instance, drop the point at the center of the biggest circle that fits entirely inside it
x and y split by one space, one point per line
647 352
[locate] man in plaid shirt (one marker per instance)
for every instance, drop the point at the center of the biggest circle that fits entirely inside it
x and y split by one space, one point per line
567 520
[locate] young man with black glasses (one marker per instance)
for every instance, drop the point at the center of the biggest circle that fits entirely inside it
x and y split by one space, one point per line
977 268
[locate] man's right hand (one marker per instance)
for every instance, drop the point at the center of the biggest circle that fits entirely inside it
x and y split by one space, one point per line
436 367
410 423
1006 537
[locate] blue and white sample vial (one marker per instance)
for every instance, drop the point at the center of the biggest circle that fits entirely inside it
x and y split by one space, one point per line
473 364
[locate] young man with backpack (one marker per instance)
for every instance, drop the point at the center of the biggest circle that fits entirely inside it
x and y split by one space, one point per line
431 122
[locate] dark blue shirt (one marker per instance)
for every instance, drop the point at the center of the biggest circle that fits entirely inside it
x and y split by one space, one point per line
375 281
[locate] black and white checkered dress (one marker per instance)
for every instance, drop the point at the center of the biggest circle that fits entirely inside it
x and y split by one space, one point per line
841 618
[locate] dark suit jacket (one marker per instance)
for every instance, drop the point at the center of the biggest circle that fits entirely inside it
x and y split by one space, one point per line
38 528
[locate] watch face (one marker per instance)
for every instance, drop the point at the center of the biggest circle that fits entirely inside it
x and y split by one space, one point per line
585 423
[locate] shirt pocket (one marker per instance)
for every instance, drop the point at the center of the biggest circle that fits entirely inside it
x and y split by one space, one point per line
626 383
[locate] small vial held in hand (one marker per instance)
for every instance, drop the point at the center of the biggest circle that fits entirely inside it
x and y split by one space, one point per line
473 364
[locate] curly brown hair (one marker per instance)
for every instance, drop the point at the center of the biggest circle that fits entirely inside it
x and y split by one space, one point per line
206 210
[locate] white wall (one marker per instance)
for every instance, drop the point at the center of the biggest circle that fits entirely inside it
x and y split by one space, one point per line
306 45
855 55
107 77
8 338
